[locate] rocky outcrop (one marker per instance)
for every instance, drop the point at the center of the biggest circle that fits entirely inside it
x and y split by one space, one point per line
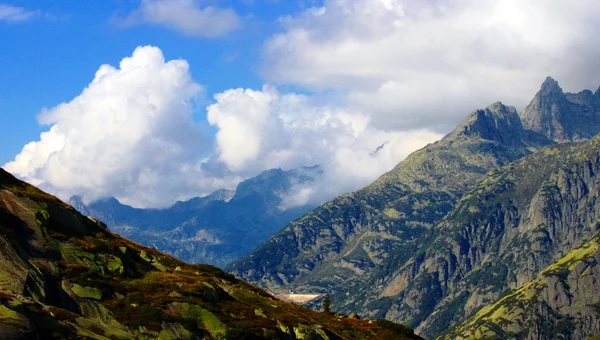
562 302
563 117
501 234
63 275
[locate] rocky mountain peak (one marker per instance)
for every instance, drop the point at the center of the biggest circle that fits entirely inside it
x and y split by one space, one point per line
563 117
549 113
497 122
77 203
550 86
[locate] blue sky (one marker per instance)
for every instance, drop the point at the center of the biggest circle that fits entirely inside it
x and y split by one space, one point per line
50 58
201 94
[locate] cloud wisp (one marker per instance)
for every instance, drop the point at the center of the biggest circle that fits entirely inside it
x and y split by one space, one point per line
264 129
14 14
185 16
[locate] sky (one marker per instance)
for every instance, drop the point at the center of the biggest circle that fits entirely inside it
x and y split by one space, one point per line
154 101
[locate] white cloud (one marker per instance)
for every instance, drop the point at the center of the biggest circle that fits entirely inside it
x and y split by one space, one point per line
260 130
378 71
129 134
186 16
414 64
11 13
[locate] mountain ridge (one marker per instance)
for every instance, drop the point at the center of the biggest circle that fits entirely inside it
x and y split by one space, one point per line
352 246
215 229
447 166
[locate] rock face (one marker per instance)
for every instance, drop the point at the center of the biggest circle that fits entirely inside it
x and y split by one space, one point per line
563 117
515 222
216 229
561 302
63 275
455 224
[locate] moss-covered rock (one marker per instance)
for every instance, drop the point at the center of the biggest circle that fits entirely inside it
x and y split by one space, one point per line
85 292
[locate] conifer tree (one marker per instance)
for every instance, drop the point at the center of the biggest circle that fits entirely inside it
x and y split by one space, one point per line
326 304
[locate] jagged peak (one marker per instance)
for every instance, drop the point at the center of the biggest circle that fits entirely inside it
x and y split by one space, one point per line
497 122
500 109
550 85
548 112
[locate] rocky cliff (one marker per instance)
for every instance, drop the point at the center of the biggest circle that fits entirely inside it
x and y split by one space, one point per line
562 302
515 222
63 275
563 117
339 245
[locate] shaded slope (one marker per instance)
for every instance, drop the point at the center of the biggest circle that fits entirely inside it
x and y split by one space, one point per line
64 275
216 229
339 245
563 301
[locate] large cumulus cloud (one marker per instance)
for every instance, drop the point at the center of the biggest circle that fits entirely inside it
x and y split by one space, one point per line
129 134
132 133
266 129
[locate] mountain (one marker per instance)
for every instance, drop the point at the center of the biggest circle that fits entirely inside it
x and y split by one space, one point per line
562 300
563 117
215 229
63 275
455 224
514 223
339 245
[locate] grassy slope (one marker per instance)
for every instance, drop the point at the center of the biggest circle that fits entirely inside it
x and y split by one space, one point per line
63 274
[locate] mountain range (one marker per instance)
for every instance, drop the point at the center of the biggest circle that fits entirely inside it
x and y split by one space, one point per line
65 276
458 225
491 232
215 229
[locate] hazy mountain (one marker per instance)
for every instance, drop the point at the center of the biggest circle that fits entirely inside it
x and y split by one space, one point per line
406 247
64 276
215 229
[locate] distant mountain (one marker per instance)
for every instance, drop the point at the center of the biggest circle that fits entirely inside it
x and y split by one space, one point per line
407 248
215 229
64 276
